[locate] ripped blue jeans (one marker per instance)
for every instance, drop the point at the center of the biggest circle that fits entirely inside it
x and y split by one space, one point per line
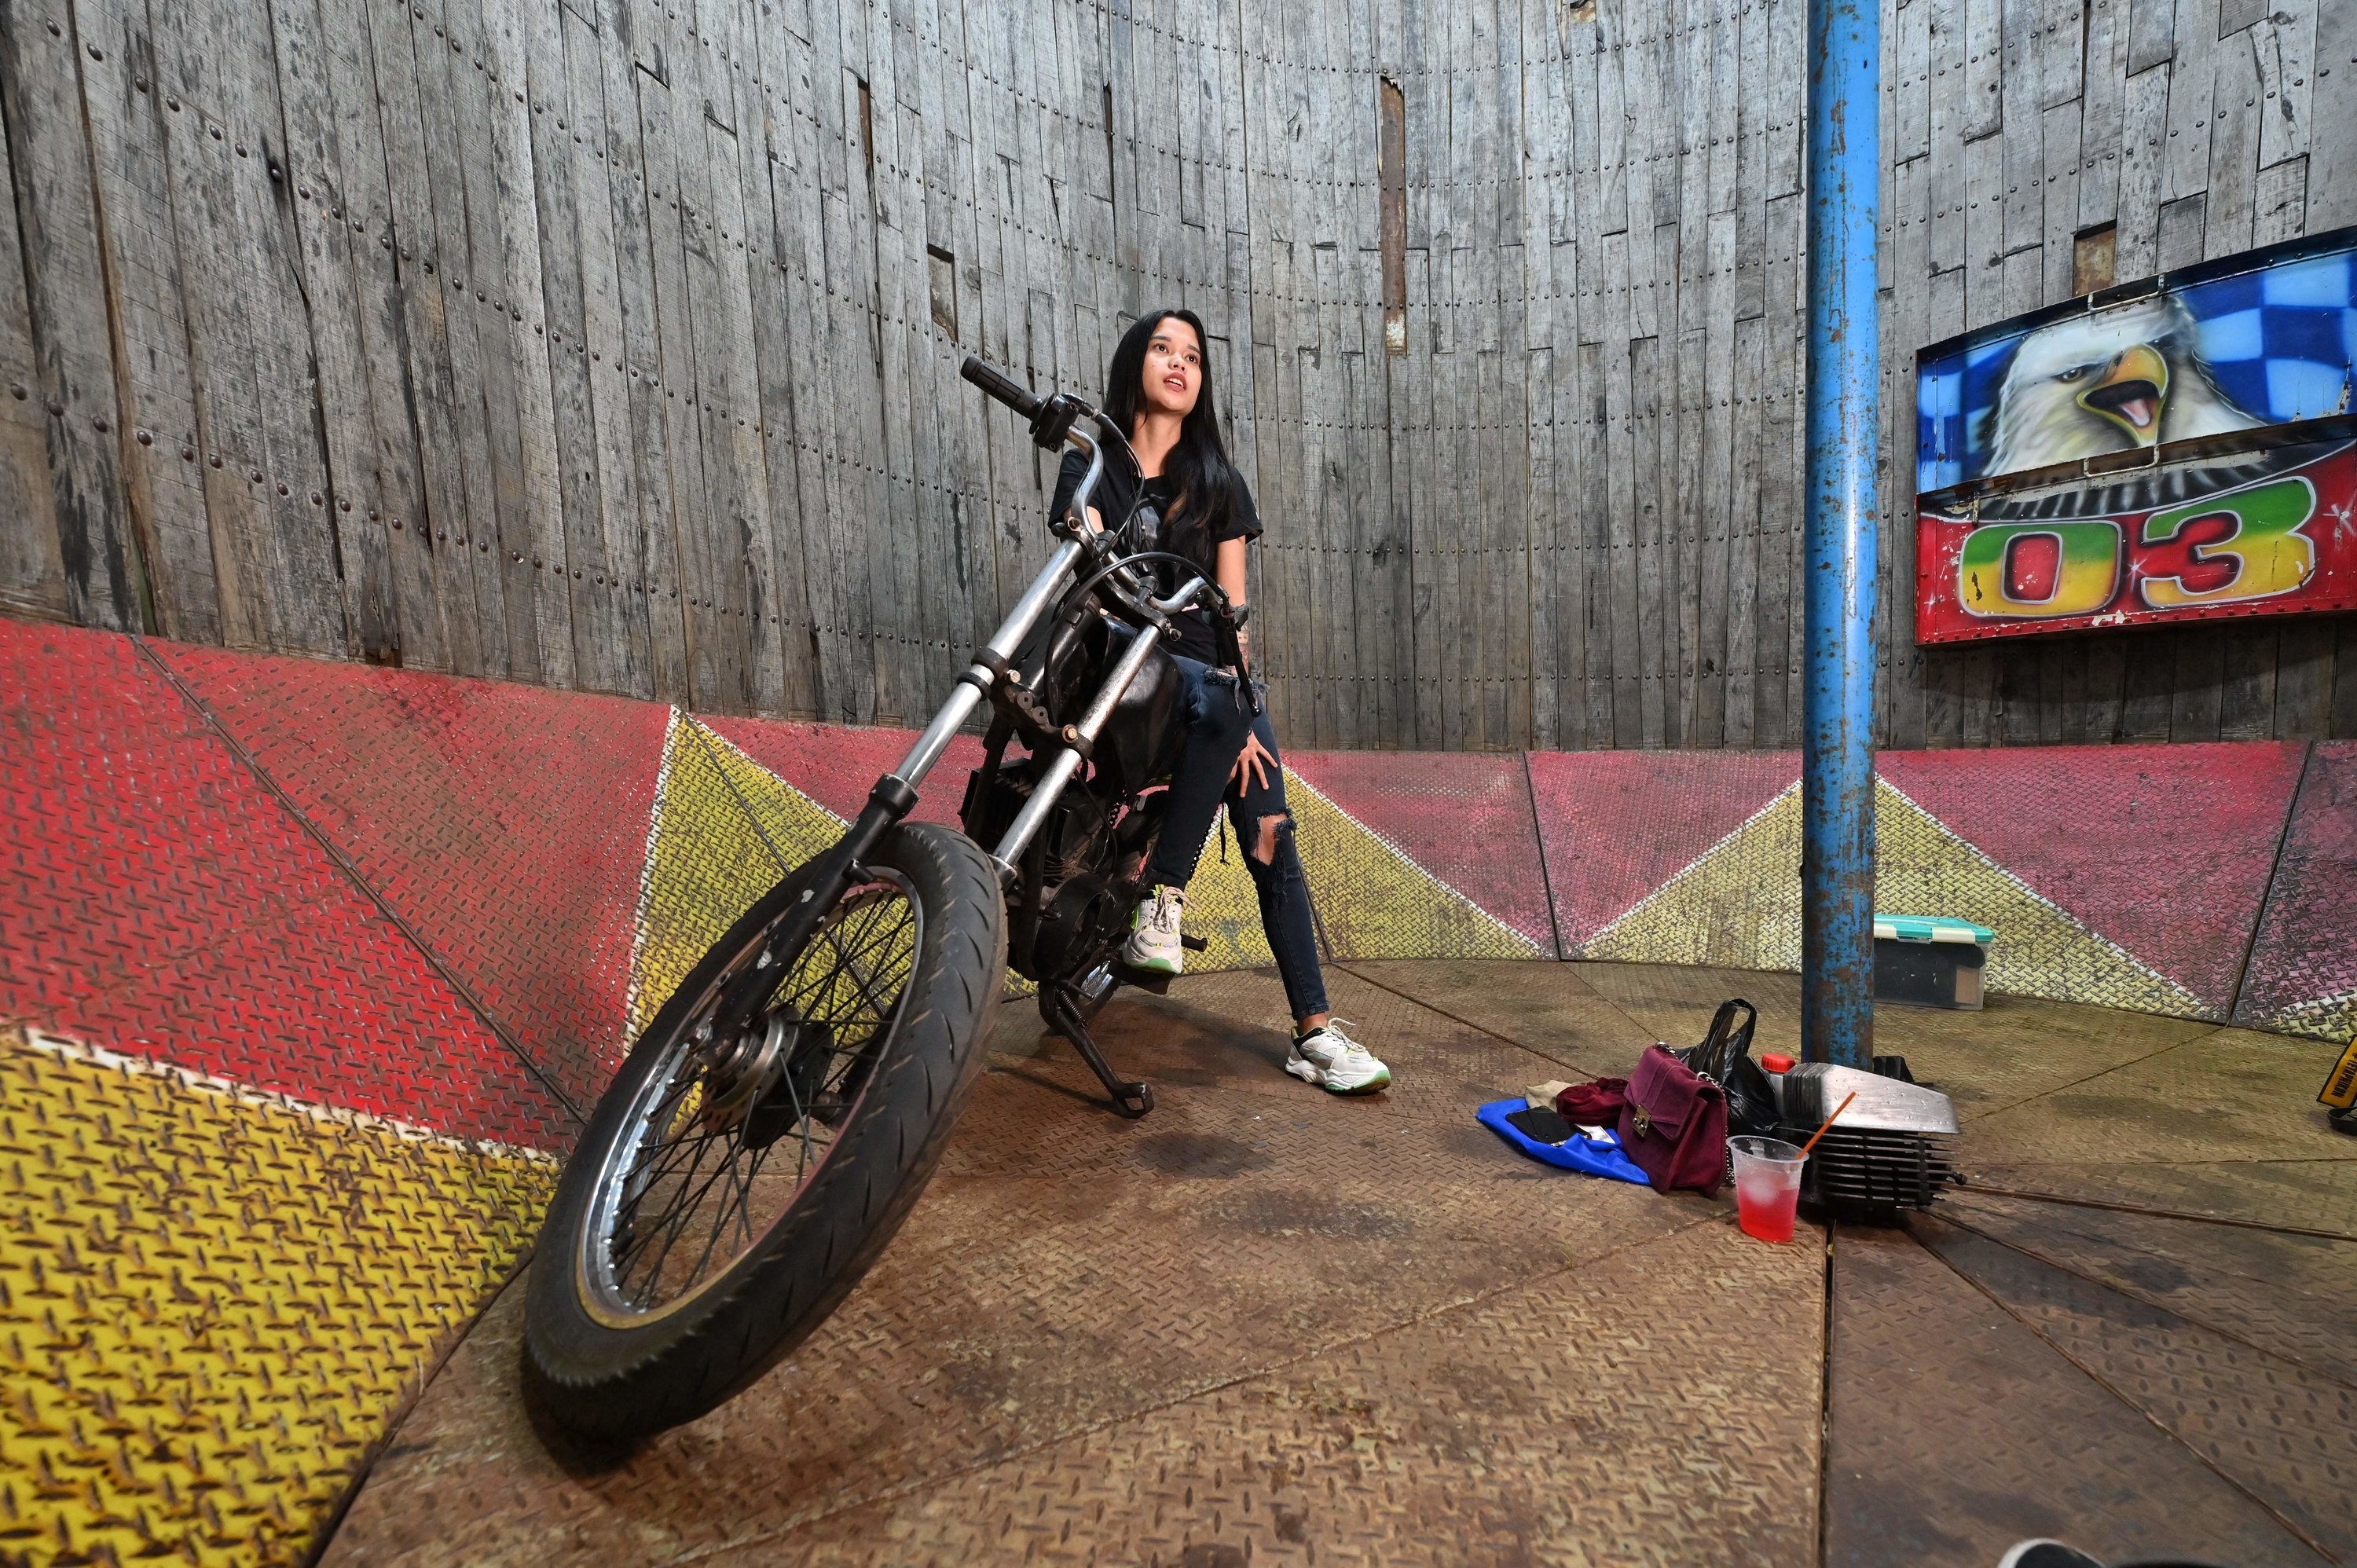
1218 719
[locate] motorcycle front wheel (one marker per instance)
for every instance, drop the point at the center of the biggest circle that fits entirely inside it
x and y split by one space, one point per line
742 1172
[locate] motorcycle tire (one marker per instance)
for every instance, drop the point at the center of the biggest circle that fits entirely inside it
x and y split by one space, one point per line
609 1367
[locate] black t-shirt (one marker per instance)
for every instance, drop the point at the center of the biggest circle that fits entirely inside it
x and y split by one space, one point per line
1118 488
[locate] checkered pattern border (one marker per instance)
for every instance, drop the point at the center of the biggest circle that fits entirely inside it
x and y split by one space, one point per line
2279 340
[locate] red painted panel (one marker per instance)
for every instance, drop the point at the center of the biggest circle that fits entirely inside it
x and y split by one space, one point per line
2281 544
2163 849
2306 947
1464 817
163 904
836 765
507 825
1618 825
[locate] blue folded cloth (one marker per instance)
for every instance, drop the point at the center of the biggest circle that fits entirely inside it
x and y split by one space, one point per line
1591 1156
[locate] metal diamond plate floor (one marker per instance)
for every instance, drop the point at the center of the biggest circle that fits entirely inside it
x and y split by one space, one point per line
1269 1326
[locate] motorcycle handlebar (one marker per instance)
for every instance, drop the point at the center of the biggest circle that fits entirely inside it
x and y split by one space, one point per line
1049 431
1013 394
1227 619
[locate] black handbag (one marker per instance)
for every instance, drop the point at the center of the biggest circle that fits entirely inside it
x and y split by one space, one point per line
1724 1057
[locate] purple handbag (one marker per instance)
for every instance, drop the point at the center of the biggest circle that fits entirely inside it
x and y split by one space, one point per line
1675 1125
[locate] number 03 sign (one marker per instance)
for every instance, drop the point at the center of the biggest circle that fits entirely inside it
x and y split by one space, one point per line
2175 448
2284 542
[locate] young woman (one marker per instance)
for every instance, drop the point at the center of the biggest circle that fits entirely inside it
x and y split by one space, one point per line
1159 390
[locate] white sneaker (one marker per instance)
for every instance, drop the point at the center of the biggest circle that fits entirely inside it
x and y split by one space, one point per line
2045 1555
1333 1061
1153 944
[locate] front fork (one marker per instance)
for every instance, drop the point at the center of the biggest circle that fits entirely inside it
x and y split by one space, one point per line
991 672
895 794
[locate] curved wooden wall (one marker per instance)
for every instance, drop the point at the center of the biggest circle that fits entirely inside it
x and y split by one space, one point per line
610 344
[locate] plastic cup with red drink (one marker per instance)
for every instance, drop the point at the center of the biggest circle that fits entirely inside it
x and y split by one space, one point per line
1766 1186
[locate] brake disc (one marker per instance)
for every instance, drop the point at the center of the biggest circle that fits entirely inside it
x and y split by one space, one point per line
743 1071
798 1086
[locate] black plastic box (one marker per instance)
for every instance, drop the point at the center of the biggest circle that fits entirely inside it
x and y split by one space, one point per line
1928 962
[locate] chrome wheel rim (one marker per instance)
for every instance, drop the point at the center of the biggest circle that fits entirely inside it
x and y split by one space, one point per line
735 1118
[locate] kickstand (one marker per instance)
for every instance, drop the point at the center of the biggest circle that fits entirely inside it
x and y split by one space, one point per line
1132 1099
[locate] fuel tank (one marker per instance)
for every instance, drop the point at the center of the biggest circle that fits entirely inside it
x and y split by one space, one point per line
1142 739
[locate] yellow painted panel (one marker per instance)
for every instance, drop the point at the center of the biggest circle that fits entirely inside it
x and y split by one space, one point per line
2325 1018
214 1300
1376 902
725 829
1926 869
1372 901
1738 906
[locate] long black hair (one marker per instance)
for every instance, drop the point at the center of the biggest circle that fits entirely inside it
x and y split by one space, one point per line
1207 485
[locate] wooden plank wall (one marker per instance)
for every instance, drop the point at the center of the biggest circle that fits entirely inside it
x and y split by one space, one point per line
2196 129
612 344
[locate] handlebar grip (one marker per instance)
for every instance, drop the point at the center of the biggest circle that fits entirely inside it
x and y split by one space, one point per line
1013 394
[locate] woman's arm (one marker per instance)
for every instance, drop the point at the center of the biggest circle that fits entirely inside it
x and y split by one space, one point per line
1254 759
1229 571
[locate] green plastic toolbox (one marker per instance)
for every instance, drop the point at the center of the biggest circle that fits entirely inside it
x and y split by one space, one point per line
1927 961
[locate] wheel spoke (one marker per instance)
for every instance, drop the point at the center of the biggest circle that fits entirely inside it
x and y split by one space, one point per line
685 1211
859 949
851 958
822 985
720 1228
667 1152
802 1159
690 1189
675 1219
745 1209
846 959
666 1228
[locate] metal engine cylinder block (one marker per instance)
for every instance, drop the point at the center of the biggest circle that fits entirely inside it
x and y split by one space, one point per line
1894 1148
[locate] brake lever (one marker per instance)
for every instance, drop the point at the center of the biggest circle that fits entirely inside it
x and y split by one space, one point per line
1055 420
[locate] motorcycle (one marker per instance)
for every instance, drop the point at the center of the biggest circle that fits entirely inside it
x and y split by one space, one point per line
773 1125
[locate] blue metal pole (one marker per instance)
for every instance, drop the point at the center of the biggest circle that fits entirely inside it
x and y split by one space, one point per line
1844 438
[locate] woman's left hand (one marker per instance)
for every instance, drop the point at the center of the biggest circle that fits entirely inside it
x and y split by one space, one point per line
1253 764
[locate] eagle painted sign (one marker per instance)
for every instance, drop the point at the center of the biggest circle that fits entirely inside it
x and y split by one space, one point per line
2181 447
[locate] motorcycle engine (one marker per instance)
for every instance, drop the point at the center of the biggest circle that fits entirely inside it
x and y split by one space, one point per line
993 800
1080 914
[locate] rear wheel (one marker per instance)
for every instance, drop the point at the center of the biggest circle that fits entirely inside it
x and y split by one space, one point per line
744 1168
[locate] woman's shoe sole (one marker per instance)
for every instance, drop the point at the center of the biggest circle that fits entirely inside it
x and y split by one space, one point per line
1296 1066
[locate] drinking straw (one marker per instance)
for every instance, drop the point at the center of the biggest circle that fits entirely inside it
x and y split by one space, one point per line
1829 1121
